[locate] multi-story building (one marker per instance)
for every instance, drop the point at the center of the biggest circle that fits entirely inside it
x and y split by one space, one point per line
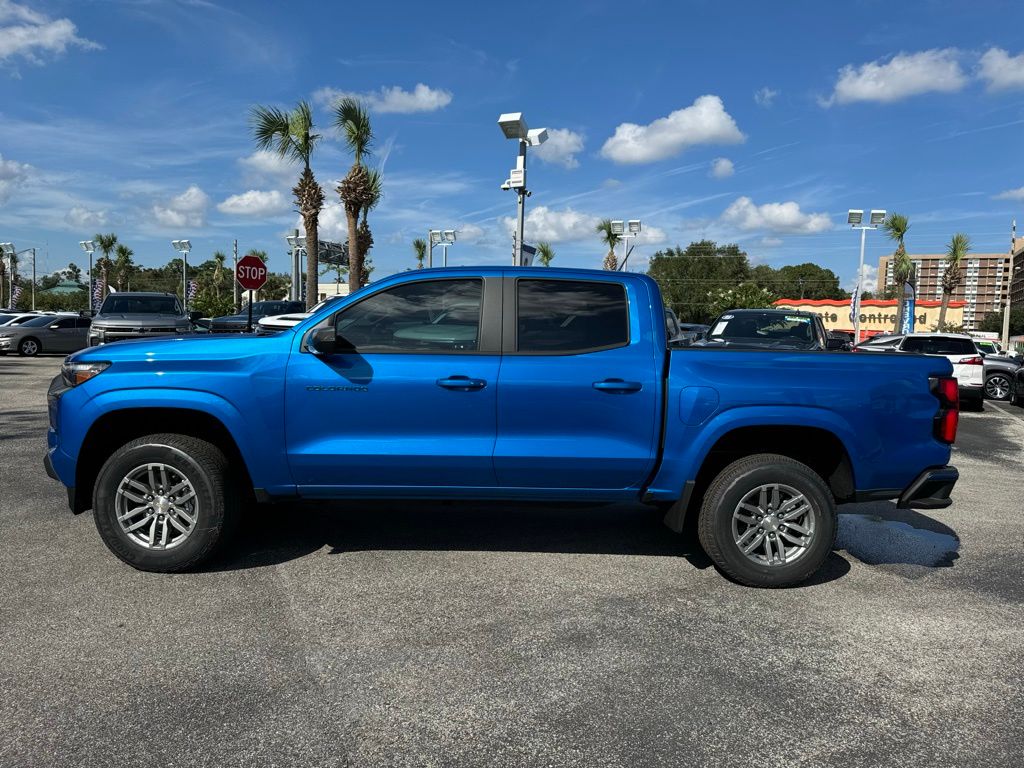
1017 279
984 286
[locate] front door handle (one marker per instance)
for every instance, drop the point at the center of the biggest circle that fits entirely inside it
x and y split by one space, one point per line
461 383
618 386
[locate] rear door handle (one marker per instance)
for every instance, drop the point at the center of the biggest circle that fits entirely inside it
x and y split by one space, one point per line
461 383
618 386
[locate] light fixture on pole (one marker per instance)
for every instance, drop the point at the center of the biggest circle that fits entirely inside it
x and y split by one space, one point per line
434 237
626 230
183 247
89 247
12 254
855 218
447 238
297 243
514 127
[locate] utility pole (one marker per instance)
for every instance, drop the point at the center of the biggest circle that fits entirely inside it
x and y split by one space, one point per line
234 282
1009 288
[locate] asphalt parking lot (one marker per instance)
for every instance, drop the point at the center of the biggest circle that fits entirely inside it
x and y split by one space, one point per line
407 635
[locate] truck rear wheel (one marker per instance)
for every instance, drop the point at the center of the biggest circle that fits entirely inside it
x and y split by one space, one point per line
767 521
161 502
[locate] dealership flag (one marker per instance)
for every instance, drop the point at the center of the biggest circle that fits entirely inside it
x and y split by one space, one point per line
908 308
97 294
855 304
192 288
15 295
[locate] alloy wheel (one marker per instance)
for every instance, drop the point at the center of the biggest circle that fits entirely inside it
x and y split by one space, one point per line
156 506
997 387
773 524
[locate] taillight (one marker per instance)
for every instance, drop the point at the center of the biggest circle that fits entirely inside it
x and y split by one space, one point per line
947 419
972 361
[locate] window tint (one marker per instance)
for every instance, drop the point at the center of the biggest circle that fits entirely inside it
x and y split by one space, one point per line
570 316
433 315
764 327
67 322
938 345
83 322
140 305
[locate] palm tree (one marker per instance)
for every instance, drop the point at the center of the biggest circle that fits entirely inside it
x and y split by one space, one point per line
419 246
355 190
956 252
217 279
106 244
610 239
123 266
364 237
545 253
895 227
290 134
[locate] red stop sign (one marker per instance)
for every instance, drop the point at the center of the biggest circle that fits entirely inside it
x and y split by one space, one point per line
251 273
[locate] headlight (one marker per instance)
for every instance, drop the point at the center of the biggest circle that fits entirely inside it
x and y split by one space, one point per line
79 373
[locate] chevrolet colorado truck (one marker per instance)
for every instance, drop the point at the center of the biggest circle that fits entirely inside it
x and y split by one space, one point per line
497 383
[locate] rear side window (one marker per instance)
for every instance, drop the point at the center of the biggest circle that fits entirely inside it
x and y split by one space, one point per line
570 316
938 345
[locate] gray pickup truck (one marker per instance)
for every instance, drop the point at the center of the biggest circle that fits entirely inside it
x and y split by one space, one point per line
139 315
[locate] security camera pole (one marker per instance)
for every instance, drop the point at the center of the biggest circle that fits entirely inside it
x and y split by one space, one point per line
514 127
855 218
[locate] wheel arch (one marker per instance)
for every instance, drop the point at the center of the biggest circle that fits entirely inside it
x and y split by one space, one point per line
115 428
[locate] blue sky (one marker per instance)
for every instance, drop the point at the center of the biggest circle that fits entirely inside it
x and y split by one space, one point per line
756 123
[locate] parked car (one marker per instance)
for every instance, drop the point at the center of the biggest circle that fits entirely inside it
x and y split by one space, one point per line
770 328
1018 387
17 318
239 323
275 323
958 348
139 315
45 333
498 383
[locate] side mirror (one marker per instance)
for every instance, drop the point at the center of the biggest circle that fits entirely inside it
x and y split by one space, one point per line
835 344
323 341
195 316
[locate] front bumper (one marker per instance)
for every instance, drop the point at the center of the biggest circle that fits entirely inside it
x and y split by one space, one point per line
930 490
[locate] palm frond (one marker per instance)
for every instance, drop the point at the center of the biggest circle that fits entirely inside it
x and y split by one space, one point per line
959 246
895 227
353 122
271 129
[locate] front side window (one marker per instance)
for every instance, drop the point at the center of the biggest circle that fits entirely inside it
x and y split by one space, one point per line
426 316
570 316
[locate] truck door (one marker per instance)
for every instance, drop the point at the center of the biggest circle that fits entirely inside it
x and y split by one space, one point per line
411 404
579 389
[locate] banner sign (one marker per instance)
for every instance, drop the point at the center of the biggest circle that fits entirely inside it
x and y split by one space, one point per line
909 296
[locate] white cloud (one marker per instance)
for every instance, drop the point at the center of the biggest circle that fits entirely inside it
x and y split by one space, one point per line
721 168
775 217
255 202
28 34
12 175
542 223
1001 70
870 279
80 217
470 233
1011 194
703 122
263 167
185 210
650 236
561 148
765 97
771 242
902 76
395 99
332 224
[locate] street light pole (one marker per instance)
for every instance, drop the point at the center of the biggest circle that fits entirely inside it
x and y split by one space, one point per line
855 219
514 127
89 246
183 247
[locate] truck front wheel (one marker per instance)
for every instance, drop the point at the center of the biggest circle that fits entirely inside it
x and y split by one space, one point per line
767 521
162 504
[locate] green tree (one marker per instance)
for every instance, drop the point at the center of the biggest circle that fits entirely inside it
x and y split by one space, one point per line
419 247
956 252
743 296
799 281
364 236
124 267
687 276
545 253
993 322
356 190
106 245
72 272
610 240
895 227
291 135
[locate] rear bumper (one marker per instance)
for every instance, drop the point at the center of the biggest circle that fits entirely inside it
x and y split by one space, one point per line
930 490
972 392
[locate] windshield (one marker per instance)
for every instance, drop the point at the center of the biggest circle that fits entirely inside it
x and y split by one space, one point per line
987 347
140 305
770 328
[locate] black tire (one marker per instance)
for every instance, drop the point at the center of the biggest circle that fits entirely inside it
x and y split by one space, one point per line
29 347
1007 386
728 489
216 510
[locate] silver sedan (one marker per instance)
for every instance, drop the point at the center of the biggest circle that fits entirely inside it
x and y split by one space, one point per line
46 333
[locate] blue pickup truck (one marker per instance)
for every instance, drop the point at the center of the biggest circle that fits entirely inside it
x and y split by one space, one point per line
492 383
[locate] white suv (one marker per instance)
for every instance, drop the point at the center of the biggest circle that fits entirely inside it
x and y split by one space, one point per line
959 349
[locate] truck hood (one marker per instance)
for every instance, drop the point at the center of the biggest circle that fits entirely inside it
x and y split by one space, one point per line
183 348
